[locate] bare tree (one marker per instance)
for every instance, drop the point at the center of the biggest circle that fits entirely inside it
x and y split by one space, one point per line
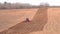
7 5
44 4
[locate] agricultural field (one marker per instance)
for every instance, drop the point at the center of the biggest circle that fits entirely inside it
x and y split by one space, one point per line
42 21
11 17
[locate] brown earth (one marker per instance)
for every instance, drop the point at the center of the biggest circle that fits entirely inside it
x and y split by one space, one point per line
44 21
9 18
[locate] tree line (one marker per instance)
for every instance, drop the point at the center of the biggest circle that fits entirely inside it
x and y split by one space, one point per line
7 5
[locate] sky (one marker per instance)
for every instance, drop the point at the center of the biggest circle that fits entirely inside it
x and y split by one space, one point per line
35 2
